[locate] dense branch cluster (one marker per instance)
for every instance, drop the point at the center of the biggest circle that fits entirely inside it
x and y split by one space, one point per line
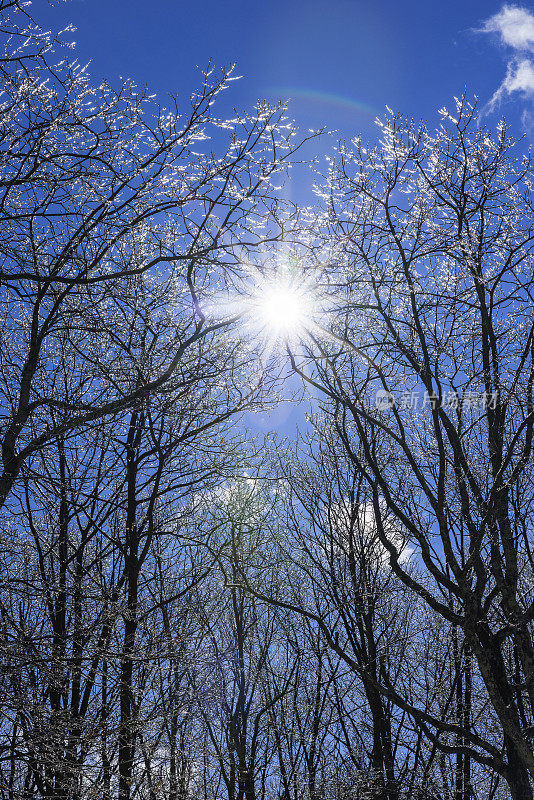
188 613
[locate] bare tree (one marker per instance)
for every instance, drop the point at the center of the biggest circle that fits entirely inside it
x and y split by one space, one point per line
353 619
244 669
362 612
433 239
99 186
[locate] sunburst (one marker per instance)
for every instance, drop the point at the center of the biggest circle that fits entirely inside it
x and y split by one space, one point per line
281 307
275 308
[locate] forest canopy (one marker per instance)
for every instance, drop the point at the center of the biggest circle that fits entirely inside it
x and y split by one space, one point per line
192 611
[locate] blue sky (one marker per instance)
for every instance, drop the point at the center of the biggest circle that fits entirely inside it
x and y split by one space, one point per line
341 60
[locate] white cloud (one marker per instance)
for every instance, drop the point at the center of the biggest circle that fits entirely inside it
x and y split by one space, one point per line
362 534
515 28
519 78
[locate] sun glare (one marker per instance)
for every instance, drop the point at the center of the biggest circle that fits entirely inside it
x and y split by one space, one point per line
277 308
282 309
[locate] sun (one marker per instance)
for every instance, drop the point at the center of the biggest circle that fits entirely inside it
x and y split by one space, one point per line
274 308
282 309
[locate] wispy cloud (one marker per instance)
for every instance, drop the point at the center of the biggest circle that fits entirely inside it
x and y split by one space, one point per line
514 25
519 78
